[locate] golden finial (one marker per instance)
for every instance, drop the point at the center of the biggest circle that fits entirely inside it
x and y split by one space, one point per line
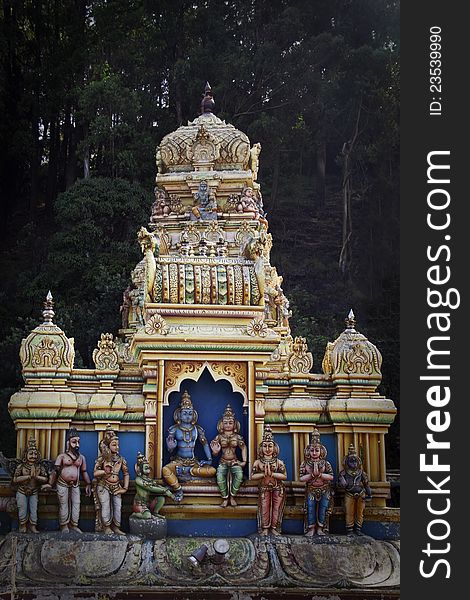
351 321
48 312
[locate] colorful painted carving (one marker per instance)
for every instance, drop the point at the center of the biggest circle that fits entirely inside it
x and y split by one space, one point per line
270 472
142 506
317 473
230 469
181 441
161 207
355 483
108 489
66 477
205 204
30 474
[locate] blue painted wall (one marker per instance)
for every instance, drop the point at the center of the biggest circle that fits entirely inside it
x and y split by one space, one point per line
329 441
285 443
209 398
89 448
131 442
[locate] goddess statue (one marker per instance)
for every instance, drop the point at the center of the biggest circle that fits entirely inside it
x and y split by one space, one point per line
270 471
230 469
181 441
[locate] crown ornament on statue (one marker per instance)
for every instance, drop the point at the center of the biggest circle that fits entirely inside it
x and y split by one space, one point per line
268 434
352 450
228 412
315 436
32 444
141 460
186 400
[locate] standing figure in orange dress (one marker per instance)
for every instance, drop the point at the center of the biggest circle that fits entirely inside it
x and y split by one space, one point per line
270 471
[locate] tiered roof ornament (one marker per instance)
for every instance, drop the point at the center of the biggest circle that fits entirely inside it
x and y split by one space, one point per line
351 355
47 349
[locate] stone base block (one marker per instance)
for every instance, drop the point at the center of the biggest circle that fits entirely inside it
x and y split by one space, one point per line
151 529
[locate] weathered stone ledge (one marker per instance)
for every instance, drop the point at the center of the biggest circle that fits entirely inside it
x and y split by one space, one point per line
55 565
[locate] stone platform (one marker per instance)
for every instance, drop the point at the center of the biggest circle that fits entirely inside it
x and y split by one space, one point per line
64 566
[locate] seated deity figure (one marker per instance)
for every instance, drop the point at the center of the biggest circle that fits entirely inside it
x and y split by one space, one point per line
181 441
355 483
247 202
143 507
317 473
270 471
205 204
161 207
108 488
230 469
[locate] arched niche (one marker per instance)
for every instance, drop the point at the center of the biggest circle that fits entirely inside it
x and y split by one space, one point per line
209 397
233 372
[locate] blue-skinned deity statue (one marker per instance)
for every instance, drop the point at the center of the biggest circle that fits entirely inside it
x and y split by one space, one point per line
181 441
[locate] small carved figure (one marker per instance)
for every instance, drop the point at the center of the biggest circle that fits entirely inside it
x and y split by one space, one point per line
355 483
125 307
230 469
205 204
270 471
254 160
30 474
108 488
66 477
248 203
161 207
142 507
317 473
181 440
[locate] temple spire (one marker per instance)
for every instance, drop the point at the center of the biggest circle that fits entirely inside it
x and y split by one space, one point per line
351 321
208 103
48 312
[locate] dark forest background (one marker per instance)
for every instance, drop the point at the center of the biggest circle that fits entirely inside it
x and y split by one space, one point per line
89 88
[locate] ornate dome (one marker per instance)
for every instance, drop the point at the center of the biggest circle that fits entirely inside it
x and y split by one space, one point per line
351 354
205 144
47 348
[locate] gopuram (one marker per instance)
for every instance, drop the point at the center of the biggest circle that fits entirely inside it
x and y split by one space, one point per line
206 399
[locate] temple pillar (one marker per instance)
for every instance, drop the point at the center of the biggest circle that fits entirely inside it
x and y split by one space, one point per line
153 381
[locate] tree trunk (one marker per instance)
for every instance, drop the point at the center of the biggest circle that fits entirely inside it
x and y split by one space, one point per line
345 257
321 173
